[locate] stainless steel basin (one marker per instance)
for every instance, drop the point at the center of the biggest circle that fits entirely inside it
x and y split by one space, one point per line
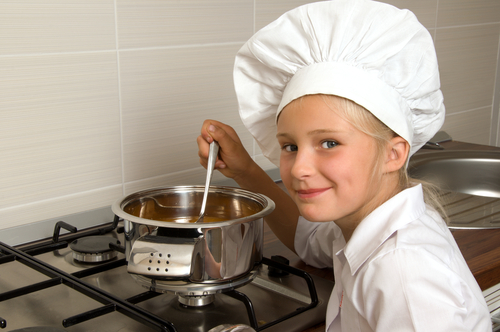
470 181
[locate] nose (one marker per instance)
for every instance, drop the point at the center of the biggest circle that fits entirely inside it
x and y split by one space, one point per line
303 165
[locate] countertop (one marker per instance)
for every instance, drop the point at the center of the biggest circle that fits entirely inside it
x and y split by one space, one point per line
481 248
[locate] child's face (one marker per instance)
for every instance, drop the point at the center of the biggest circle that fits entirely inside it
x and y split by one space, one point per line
326 164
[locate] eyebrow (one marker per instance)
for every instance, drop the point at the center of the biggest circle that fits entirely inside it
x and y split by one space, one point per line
315 132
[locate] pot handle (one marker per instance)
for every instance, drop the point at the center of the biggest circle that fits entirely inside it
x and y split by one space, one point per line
164 257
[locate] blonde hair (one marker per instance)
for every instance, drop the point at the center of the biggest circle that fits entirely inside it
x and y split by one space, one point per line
364 121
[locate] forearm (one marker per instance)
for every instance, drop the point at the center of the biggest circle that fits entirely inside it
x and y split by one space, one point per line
283 220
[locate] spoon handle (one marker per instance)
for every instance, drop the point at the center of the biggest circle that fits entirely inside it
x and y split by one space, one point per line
212 157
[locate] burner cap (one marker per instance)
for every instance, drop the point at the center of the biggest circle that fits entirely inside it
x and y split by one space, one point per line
93 249
196 301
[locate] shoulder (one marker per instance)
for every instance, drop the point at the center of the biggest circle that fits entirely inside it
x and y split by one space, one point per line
418 288
426 237
422 251
410 266
420 262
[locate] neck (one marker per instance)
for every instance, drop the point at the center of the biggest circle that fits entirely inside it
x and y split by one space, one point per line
388 188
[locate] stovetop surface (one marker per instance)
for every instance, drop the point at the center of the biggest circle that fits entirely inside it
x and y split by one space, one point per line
272 297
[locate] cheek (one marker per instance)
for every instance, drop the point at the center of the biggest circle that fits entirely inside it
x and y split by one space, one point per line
346 169
285 171
367 172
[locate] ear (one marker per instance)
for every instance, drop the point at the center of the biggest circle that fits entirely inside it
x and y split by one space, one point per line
396 154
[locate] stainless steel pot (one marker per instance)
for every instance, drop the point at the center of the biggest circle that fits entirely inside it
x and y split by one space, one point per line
161 244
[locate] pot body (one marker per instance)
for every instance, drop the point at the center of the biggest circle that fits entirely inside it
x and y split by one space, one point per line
161 244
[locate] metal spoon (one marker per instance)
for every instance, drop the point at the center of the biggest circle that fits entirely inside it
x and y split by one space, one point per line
212 157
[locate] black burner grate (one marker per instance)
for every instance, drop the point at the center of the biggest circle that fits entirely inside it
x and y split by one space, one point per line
111 303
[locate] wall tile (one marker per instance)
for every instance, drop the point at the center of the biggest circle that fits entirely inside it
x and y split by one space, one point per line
33 26
151 23
60 128
425 10
165 103
467 61
64 74
266 11
472 126
194 176
22 215
464 12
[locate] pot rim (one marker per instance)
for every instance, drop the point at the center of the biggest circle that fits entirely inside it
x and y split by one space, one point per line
267 204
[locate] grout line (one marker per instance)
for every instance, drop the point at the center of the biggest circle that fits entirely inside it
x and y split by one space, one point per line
180 46
436 21
55 53
120 108
467 25
469 110
495 109
64 197
117 49
254 16
162 176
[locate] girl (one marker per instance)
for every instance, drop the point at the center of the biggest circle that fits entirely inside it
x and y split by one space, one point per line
340 94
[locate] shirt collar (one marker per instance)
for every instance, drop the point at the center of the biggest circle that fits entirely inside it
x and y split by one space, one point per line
381 223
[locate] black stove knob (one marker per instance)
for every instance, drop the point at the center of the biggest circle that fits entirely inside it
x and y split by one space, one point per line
275 271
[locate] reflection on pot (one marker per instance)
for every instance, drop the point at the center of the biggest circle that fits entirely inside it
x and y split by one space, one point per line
203 253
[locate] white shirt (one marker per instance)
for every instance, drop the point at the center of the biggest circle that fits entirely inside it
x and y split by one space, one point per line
401 271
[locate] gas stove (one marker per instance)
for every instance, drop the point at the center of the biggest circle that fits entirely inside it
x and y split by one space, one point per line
78 281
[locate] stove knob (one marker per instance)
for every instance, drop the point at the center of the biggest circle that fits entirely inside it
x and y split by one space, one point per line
276 272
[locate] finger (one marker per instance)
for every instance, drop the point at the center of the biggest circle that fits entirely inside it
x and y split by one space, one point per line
203 147
203 150
227 131
205 133
219 164
223 134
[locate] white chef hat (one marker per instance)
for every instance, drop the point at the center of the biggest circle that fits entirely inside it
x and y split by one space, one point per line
372 53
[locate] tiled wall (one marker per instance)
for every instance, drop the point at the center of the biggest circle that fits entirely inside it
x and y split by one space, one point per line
99 98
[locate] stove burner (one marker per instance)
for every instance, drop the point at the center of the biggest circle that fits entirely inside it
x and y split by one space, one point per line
196 301
94 249
188 288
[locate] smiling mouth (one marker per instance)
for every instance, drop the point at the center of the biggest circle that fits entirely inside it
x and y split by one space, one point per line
309 193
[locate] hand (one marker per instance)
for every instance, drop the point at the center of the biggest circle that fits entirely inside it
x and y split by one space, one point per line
233 159
235 162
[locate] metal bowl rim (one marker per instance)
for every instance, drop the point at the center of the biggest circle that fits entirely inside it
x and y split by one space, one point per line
426 157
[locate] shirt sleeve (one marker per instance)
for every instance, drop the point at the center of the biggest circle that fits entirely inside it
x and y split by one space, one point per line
409 290
315 242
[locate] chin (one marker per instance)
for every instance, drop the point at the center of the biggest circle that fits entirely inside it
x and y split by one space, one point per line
319 219
314 217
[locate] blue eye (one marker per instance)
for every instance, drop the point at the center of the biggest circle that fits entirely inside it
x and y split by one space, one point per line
328 144
290 147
